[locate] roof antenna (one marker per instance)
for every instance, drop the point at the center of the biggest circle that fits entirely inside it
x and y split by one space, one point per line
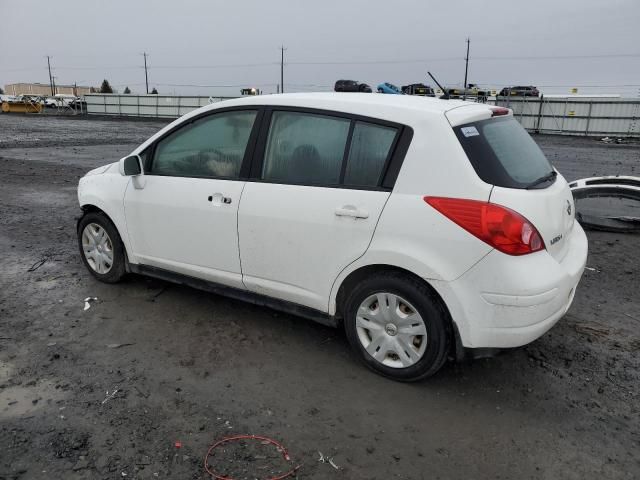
446 94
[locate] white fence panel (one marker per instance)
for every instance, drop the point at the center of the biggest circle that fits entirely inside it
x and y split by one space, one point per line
166 106
576 116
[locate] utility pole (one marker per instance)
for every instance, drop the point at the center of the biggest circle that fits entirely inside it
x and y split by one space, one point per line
466 69
53 83
146 76
282 49
50 77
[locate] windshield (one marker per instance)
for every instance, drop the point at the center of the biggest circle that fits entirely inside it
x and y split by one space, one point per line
504 154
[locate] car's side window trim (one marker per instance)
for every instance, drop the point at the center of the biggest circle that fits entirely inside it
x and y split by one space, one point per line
259 151
403 142
247 160
391 168
248 153
347 150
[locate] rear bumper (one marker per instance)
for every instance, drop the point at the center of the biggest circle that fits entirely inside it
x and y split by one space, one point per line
506 301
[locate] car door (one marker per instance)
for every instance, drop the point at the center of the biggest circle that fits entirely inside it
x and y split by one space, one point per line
184 219
313 202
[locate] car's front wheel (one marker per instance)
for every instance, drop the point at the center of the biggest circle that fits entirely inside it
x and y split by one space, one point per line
101 249
398 326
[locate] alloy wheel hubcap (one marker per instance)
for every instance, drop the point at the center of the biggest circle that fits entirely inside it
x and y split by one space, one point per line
97 248
391 330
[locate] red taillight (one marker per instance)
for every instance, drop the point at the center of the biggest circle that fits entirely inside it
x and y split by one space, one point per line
500 227
499 111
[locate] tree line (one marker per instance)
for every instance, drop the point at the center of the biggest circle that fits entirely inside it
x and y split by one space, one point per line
106 88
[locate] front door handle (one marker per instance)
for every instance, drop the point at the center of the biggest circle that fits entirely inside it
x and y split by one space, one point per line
218 199
351 211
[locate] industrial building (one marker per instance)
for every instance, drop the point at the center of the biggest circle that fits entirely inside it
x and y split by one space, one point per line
44 89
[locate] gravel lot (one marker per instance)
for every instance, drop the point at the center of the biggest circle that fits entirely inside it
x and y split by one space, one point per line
192 367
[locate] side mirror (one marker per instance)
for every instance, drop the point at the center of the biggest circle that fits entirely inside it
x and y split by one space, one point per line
131 166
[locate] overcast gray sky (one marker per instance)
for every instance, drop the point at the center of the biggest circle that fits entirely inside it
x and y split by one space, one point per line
555 44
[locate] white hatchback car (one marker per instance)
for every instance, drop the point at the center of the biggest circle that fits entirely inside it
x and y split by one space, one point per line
425 227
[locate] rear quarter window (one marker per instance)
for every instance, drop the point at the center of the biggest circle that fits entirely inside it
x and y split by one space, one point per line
503 154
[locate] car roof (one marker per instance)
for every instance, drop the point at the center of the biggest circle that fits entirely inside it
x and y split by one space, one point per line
404 109
392 107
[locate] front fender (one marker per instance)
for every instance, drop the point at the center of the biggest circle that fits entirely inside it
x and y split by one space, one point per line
106 192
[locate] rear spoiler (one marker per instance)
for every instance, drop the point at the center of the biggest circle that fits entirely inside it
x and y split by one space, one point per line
474 112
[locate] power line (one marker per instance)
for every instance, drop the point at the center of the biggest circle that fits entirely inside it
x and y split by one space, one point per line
443 59
231 65
339 62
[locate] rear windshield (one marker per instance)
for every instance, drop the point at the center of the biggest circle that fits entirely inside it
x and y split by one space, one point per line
504 154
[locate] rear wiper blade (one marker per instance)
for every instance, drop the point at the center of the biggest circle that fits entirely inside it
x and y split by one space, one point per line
545 178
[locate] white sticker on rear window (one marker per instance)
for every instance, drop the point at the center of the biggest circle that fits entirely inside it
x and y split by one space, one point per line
469 131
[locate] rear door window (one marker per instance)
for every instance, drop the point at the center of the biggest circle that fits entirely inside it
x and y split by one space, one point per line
305 148
370 149
503 153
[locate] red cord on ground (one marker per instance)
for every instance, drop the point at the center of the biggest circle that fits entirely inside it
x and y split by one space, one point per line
279 446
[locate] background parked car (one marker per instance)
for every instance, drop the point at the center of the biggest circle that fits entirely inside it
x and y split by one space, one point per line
78 103
59 100
33 99
7 98
519 91
351 86
418 89
389 88
472 90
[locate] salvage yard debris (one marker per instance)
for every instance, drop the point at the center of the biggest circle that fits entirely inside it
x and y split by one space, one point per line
87 305
611 140
110 395
118 345
263 440
328 460
38 264
611 187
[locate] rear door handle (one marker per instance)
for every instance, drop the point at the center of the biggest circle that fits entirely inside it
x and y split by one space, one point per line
351 211
218 199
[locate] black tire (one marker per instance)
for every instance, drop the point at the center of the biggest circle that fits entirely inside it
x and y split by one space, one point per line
429 306
118 267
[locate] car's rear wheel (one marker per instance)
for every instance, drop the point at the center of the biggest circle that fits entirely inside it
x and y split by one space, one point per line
101 248
398 326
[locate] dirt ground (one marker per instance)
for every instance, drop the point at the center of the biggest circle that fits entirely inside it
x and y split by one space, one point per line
106 393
